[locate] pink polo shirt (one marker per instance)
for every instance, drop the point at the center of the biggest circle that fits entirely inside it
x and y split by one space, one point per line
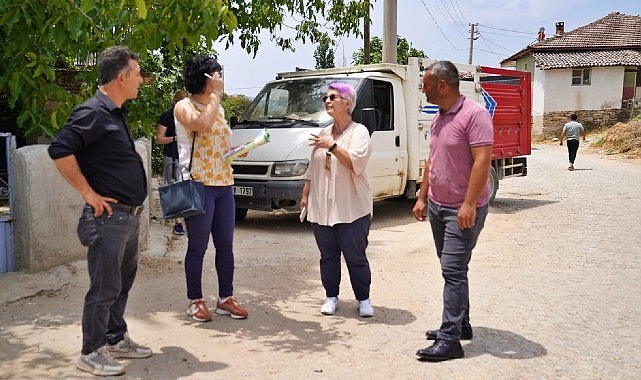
466 125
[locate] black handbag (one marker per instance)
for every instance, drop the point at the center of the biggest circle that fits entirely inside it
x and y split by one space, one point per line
181 198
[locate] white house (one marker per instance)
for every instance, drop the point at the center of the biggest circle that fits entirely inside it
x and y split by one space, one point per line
593 71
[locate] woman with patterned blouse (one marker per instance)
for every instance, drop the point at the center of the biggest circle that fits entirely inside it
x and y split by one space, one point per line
200 119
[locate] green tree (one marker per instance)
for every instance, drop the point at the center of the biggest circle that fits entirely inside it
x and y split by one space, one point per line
234 105
403 52
43 39
324 55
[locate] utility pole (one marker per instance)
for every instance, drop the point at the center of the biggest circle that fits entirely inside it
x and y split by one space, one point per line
366 39
389 32
473 37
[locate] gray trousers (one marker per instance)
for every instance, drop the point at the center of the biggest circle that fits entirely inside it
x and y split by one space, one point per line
454 250
112 262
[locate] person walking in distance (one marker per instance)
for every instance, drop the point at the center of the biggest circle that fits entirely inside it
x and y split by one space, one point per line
456 194
572 130
166 135
95 153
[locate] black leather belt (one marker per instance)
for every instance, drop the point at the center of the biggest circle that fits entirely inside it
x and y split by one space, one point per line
133 210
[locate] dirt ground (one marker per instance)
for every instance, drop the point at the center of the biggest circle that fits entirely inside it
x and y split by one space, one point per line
554 294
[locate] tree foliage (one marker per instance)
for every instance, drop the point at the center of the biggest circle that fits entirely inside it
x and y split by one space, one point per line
235 105
403 51
42 40
324 55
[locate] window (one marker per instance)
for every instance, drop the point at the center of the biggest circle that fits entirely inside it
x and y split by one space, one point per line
378 95
581 77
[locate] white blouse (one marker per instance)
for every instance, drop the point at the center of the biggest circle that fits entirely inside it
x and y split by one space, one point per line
340 195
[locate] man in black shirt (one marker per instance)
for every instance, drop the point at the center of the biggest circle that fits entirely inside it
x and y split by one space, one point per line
95 153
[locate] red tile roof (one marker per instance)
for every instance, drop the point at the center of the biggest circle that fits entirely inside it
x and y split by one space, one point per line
599 58
612 40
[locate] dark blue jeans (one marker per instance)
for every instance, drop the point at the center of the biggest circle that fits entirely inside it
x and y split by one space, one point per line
218 220
454 250
351 240
112 262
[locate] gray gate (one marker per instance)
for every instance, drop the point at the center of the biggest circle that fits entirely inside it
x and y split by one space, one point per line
7 145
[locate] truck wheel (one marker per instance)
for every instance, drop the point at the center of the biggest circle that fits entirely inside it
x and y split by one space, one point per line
241 214
493 182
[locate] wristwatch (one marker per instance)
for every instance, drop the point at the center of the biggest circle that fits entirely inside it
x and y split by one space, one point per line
331 148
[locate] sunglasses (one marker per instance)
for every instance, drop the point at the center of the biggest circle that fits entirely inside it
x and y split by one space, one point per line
331 97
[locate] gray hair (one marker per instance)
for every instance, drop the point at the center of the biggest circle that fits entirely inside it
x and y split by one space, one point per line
446 71
112 61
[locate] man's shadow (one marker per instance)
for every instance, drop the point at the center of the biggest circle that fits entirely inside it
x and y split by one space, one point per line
171 363
502 344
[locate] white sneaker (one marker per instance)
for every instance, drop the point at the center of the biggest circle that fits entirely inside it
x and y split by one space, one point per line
330 306
100 363
365 308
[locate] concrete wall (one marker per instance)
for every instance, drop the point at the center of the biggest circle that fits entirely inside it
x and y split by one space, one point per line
553 122
538 100
47 209
604 92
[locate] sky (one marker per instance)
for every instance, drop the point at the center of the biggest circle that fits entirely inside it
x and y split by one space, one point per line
440 28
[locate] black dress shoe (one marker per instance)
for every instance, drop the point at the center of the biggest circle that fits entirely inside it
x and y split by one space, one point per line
466 333
441 350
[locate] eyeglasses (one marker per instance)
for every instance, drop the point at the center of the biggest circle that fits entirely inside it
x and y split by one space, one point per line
331 97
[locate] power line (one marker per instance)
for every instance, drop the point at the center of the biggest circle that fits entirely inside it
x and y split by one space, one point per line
510 35
504 29
460 12
456 13
438 26
456 24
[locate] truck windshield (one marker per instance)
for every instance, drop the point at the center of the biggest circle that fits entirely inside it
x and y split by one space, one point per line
291 103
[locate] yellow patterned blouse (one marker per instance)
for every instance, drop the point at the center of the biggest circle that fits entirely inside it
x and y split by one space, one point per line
208 166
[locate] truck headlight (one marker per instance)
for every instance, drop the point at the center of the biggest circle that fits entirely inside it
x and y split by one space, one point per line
292 168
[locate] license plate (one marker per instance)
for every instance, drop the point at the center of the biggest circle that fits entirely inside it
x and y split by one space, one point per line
246 191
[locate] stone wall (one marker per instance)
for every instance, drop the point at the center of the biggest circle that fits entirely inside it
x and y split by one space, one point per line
47 209
553 122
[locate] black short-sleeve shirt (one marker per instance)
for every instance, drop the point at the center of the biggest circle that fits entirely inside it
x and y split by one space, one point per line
97 134
167 119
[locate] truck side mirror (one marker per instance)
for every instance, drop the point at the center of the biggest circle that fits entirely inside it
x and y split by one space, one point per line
368 116
233 120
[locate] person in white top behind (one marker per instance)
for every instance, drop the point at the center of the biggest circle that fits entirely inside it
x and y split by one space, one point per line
572 129
338 199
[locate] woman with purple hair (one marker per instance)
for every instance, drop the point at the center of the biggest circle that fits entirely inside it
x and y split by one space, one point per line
338 199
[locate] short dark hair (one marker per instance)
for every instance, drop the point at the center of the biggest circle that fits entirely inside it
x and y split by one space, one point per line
195 70
445 70
573 116
112 61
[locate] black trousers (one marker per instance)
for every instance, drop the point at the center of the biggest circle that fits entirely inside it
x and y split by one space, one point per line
573 147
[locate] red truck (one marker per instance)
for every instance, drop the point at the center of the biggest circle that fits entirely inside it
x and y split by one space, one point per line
390 103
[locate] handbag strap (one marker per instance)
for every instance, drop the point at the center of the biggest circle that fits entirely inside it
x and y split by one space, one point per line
191 156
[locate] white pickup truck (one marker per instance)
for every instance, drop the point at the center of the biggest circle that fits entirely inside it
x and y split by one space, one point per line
390 103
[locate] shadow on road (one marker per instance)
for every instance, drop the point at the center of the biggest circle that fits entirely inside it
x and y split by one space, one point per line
502 344
514 205
173 362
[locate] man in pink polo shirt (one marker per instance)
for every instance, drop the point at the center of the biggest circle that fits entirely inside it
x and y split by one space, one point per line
455 192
